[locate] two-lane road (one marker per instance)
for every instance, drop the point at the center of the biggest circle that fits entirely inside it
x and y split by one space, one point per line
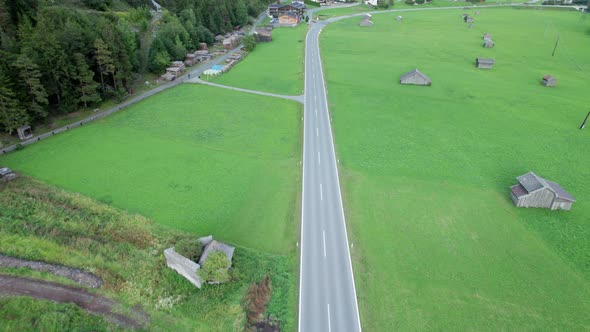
327 295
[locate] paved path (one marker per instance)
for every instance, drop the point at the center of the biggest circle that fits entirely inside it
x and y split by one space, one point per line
327 296
93 303
200 81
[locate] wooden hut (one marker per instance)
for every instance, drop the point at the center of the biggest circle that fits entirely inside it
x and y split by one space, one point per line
534 191
488 43
366 22
468 19
549 80
263 35
24 132
415 77
484 63
6 174
487 36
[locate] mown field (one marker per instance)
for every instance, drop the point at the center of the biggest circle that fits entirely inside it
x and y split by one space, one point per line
41 222
196 158
438 244
275 67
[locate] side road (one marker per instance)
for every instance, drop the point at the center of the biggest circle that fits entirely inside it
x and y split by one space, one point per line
298 99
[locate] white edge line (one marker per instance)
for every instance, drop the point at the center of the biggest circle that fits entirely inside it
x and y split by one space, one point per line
302 193
358 317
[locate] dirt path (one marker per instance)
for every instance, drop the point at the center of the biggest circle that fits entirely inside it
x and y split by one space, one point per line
81 277
96 304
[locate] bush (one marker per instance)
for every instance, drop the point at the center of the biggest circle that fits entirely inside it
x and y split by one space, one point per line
189 248
249 42
215 268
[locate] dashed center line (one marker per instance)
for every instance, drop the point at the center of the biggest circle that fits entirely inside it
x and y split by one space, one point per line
324 237
329 323
319 159
317 132
321 193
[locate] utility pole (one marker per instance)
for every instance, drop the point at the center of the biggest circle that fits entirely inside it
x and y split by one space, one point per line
554 48
586 119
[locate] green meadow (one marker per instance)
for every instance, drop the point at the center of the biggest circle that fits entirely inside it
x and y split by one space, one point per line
196 158
275 67
438 244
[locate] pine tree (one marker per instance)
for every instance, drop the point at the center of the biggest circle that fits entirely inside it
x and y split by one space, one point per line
104 60
87 87
241 12
30 76
12 115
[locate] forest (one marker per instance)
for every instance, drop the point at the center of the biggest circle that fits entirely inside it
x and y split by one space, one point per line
59 56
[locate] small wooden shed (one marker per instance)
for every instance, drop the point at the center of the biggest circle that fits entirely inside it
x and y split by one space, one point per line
24 132
549 80
263 35
487 36
415 77
534 191
484 63
366 22
488 43
468 19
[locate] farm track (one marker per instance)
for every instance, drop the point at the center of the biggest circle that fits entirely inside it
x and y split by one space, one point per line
95 304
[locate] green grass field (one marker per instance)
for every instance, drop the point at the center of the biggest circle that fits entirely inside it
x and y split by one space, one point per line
275 67
438 244
196 158
41 222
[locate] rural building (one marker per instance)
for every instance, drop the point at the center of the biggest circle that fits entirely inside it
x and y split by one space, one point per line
174 71
24 132
399 19
484 63
549 80
415 77
263 35
534 191
488 43
190 59
203 46
468 19
371 3
366 21
276 9
6 174
487 36
289 18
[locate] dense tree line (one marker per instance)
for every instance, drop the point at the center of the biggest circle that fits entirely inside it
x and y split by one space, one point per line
56 58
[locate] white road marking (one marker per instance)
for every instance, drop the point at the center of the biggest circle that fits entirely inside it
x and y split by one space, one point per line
319 159
317 132
329 323
324 237
321 193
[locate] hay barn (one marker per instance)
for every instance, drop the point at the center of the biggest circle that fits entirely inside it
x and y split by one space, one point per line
415 77
534 191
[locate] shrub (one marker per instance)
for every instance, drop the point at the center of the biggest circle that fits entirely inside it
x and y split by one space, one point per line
215 268
189 248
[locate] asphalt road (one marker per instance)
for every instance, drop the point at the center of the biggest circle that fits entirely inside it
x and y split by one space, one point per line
327 297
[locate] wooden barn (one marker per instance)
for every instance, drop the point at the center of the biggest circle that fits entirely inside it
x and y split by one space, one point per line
487 36
549 80
534 191
488 43
484 63
468 19
366 21
415 77
289 18
263 35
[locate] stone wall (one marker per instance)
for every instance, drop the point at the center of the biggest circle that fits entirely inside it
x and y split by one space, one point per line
183 266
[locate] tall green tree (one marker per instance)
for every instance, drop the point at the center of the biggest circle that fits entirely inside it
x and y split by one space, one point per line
241 12
104 60
87 87
12 115
29 75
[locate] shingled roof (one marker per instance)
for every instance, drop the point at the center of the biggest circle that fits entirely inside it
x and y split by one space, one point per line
415 72
531 182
